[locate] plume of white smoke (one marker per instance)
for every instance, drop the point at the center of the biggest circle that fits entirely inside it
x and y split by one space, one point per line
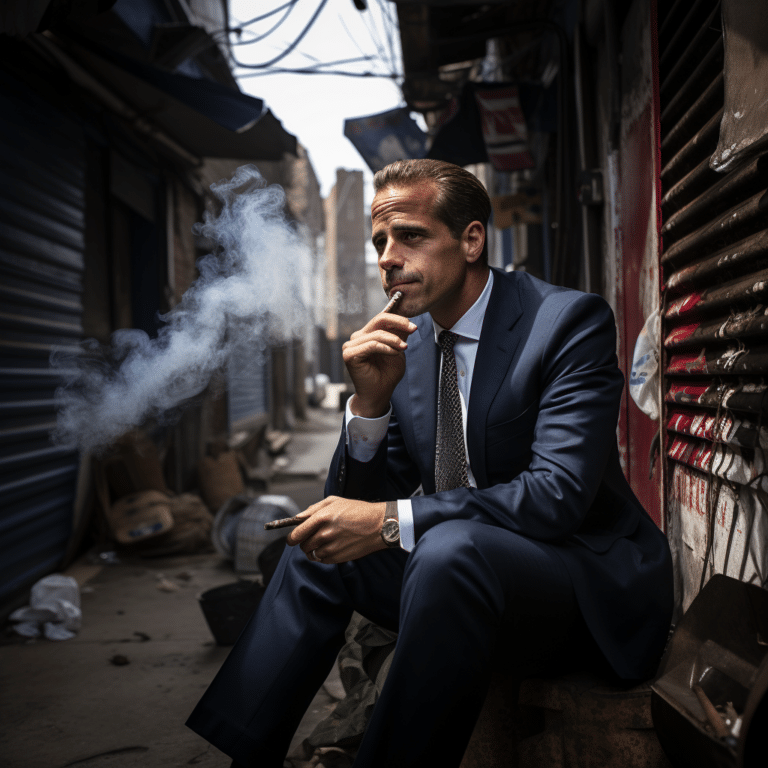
247 288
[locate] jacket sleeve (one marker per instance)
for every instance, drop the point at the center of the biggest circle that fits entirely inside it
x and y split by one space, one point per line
580 388
389 475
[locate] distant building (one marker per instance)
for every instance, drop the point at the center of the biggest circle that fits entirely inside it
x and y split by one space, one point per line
346 293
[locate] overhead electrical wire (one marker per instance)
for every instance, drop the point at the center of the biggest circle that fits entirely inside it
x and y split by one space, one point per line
289 6
317 68
373 32
340 72
388 32
291 47
242 26
387 58
350 35
264 15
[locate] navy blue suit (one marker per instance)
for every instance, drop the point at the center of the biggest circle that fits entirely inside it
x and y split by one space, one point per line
552 531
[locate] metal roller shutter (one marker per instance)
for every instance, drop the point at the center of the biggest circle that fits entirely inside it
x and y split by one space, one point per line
247 385
41 271
715 327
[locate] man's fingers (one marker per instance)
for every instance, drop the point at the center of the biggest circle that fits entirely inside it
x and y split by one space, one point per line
380 343
369 349
401 326
385 337
305 529
315 539
299 534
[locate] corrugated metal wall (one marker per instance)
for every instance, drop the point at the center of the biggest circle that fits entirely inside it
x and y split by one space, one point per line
247 385
715 328
41 272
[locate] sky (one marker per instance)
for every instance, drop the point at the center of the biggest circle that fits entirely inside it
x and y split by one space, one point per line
314 107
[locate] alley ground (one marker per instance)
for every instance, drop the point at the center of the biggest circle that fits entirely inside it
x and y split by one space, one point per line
118 694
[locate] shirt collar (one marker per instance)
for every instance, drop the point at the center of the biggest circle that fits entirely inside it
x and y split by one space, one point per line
470 323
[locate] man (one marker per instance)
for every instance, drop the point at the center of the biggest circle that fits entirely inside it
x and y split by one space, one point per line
527 543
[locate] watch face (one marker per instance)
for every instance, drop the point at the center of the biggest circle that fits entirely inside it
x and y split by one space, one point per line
390 532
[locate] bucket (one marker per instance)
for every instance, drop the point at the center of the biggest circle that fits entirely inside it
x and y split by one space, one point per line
228 608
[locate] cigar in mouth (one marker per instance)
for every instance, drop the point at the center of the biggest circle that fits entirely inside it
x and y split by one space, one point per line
286 522
392 303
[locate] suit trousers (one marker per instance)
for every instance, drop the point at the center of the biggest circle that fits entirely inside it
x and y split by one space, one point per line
469 595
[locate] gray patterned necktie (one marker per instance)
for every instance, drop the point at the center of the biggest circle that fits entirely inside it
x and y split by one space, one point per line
450 455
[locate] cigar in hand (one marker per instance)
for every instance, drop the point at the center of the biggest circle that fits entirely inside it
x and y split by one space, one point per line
396 296
286 522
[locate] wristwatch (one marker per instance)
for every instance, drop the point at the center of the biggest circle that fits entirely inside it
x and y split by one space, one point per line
390 530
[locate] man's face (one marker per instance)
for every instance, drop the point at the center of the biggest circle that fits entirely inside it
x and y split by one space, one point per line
418 255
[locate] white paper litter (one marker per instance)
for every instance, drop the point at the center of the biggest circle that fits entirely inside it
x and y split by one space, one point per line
53 610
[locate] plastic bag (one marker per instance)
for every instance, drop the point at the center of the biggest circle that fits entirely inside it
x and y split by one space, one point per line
53 610
644 379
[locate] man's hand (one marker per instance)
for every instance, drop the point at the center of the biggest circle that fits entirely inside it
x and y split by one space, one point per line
338 530
375 359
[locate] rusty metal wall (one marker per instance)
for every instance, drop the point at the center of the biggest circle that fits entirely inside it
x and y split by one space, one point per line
715 322
42 202
637 260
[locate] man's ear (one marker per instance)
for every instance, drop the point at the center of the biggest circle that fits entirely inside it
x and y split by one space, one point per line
474 240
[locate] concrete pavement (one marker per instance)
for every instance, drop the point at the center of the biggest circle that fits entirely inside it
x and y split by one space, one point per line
77 703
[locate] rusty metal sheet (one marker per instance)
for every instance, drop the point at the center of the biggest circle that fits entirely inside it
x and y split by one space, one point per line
697 46
728 462
755 286
728 428
715 323
747 396
704 72
688 188
699 112
740 325
747 218
699 147
738 185
706 362
739 257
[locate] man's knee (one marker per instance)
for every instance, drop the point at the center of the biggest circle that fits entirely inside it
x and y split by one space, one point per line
448 547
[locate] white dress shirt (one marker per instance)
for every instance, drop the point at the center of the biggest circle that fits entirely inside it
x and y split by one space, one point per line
364 436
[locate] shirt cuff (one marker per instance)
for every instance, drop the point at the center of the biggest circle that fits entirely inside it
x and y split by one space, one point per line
364 436
407 532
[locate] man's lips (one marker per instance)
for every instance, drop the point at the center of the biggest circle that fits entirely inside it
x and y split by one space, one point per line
392 287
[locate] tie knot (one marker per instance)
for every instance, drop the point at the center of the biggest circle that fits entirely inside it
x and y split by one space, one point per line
446 340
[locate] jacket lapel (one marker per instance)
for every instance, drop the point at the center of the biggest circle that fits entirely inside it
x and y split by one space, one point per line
421 373
495 351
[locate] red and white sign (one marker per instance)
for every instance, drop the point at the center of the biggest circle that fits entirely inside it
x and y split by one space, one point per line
504 129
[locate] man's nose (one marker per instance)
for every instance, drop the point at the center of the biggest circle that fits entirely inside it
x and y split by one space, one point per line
390 257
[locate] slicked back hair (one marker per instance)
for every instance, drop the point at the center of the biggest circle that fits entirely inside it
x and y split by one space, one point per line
460 200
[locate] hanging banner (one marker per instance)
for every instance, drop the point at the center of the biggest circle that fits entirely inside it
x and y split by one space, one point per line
503 126
384 138
490 122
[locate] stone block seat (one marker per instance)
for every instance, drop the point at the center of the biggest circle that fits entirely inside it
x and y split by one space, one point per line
575 721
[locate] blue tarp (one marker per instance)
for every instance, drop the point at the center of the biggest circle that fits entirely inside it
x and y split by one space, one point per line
210 119
381 139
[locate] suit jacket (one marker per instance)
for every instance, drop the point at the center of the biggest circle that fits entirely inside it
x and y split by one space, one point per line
541 437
